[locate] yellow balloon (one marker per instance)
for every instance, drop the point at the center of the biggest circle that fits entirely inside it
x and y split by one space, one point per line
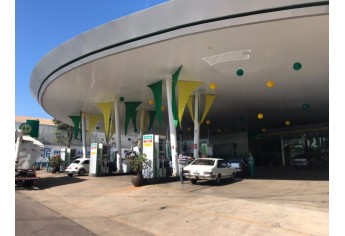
270 84
208 122
287 123
213 86
260 116
150 101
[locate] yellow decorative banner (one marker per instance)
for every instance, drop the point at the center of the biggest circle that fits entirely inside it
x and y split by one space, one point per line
185 90
112 128
143 116
93 120
209 101
190 106
106 110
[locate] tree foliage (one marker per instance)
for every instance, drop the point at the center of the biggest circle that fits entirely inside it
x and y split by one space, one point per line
63 133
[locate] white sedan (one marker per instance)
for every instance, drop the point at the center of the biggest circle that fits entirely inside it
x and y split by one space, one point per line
209 169
79 166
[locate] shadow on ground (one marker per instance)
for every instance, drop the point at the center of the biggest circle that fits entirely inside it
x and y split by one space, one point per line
50 182
289 173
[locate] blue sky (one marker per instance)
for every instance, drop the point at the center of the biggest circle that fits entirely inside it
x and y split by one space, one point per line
42 25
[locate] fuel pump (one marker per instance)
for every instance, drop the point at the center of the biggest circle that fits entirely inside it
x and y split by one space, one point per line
99 159
154 146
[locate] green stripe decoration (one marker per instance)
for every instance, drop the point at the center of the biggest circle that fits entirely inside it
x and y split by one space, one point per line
157 94
76 122
173 96
152 115
131 113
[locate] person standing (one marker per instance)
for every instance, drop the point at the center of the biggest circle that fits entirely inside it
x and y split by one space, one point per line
48 164
251 164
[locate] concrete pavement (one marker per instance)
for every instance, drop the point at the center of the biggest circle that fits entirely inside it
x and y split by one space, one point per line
112 206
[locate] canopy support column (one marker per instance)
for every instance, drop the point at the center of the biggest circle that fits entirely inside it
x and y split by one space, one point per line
196 126
83 132
173 138
118 135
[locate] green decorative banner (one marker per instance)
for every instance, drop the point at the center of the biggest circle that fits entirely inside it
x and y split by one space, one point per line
157 94
152 115
173 95
131 113
76 122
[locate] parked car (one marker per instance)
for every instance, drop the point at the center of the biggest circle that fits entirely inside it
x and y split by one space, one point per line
79 166
240 165
209 169
309 160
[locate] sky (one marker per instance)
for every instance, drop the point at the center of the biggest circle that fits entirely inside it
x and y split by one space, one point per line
42 25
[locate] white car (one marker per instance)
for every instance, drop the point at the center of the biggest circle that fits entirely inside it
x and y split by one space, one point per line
209 169
79 166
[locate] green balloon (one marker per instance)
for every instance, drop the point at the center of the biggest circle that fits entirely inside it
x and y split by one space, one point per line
306 106
240 72
297 66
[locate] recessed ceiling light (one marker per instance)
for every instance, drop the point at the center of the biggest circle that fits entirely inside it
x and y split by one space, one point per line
228 56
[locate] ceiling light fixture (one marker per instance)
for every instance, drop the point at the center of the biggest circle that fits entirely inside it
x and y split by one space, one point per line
228 56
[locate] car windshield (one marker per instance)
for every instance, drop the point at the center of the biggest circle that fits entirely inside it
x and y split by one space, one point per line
203 162
76 161
239 160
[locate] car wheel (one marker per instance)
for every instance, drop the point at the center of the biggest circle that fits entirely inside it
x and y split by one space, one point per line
70 175
82 172
232 179
28 183
218 180
193 181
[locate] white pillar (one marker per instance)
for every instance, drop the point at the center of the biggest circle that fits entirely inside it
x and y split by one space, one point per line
180 142
196 126
283 154
141 128
173 138
118 135
83 132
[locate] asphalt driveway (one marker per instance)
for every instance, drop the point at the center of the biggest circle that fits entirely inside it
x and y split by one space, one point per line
269 204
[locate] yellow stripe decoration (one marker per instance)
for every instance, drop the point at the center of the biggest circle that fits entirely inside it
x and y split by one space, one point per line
93 120
143 114
209 101
190 106
106 108
185 90
112 128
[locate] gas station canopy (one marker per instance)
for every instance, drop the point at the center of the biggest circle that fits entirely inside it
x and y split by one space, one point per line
256 57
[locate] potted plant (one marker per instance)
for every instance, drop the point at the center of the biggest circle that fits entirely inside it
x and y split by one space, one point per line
137 164
55 163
